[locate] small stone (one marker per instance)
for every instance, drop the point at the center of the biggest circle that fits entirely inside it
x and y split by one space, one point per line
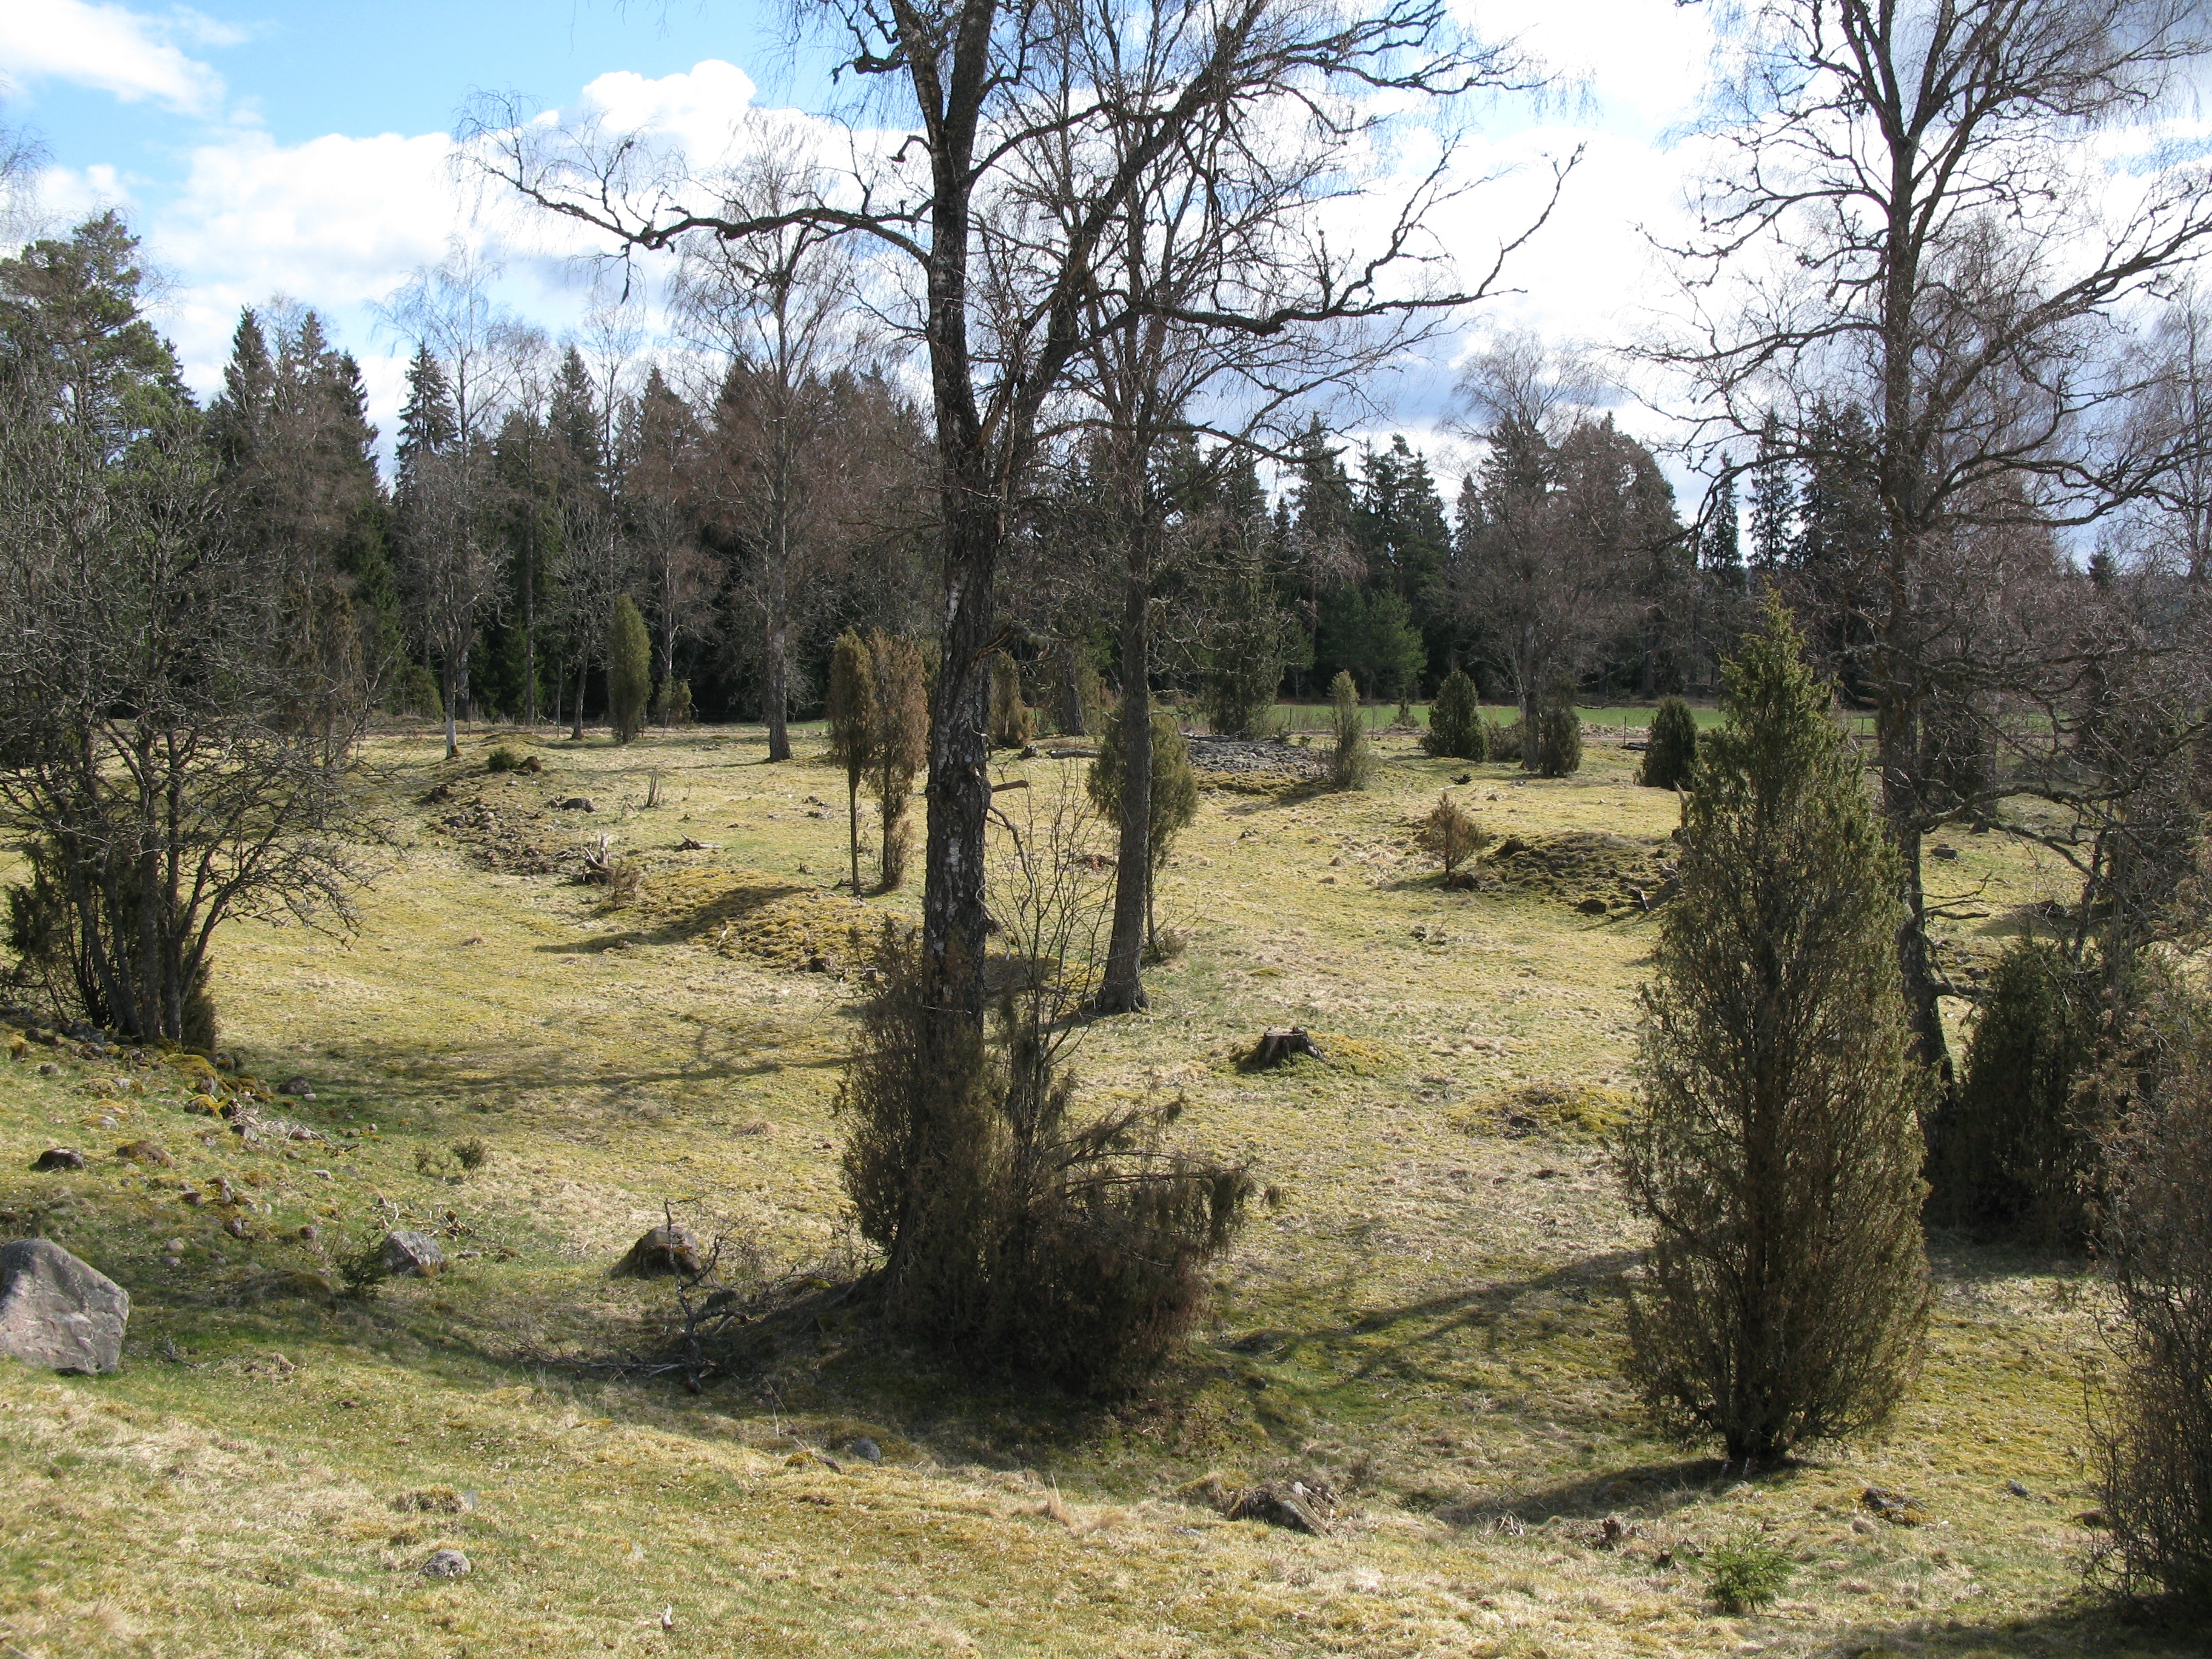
47 1068
2017 1489
59 1157
410 1254
866 1450
298 1086
446 1564
1592 906
59 1312
573 804
144 1151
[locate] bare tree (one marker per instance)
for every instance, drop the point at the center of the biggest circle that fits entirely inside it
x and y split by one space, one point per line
1902 218
156 774
1549 568
783 308
990 84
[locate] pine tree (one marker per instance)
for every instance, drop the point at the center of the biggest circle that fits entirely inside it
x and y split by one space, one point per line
1670 753
1777 1157
1455 727
1558 748
900 744
629 670
852 718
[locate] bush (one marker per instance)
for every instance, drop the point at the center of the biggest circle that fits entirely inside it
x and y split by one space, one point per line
629 670
1456 728
415 694
2007 1156
2154 1440
1746 1572
1559 734
672 702
1505 743
1012 1233
1785 1297
1351 761
503 759
1450 834
1013 722
1671 747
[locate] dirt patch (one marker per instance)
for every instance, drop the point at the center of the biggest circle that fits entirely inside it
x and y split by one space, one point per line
745 912
503 834
1252 766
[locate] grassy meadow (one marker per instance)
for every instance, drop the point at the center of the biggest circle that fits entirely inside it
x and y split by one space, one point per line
1423 1312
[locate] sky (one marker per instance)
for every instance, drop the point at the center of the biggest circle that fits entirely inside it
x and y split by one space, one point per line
304 149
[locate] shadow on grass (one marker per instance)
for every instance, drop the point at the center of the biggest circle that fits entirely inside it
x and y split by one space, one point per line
2084 1623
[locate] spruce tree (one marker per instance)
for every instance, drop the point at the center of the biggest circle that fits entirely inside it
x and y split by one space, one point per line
1558 748
1351 760
1778 1155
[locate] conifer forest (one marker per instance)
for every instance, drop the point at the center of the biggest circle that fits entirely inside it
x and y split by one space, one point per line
977 857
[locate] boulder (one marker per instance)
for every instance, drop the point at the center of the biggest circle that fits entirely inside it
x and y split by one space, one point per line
297 1086
663 1251
410 1254
144 1151
58 1157
56 1311
446 1564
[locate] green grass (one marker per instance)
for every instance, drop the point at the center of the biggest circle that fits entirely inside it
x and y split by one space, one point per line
1427 1317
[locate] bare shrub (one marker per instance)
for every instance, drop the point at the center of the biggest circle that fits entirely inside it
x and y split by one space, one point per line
1015 1230
2155 1438
1777 1157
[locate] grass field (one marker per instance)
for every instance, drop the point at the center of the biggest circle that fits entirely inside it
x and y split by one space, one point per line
1425 1315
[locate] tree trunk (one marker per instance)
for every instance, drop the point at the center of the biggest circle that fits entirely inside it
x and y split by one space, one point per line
1072 720
1896 743
452 695
1122 991
583 671
853 824
777 697
529 628
954 918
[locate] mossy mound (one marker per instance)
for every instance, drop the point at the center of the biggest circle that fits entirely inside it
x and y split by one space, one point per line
791 924
1577 1108
1347 1056
1577 865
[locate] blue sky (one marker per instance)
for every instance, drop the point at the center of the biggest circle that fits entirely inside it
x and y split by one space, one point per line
303 149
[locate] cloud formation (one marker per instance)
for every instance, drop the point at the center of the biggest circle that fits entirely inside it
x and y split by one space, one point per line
114 50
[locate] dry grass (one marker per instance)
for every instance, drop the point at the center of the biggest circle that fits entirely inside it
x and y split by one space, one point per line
1425 1317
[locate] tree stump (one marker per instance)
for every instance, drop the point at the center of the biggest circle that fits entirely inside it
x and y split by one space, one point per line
1278 1043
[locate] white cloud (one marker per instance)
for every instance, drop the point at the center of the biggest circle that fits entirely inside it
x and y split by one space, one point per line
114 50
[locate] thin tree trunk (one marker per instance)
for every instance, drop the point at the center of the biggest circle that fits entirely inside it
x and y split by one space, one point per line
583 671
778 694
1122 991
1072 715
853 818
452 695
